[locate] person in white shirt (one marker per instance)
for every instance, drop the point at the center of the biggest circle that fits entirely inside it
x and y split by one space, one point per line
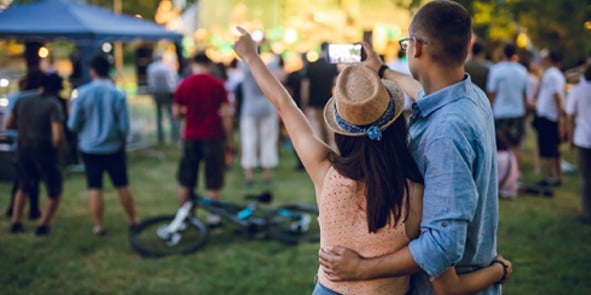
162 83
578 109
549 110
507 90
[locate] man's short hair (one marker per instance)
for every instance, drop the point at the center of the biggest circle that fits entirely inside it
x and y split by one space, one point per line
447 28
33 79
477 48
202 59
52 83
101 65
509 50
555 56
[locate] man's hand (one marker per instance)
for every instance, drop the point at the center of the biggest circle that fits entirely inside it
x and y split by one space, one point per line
340 264
245 46
372 60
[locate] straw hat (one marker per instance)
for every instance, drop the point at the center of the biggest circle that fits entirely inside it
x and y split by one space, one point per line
363 104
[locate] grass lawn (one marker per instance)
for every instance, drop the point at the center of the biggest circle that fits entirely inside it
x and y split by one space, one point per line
550 249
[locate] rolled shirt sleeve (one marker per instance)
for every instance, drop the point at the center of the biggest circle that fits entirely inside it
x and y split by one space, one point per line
449 204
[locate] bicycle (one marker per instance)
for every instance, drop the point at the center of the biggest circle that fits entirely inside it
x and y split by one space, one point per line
185 233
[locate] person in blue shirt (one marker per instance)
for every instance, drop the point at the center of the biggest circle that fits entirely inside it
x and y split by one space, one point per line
507 91
452 138
100 117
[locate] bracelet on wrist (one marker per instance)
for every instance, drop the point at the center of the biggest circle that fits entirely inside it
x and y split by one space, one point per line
505 266
381 71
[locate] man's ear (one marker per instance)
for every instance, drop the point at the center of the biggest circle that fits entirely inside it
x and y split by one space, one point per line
417 49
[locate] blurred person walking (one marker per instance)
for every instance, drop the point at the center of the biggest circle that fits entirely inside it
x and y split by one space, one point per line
202 101
162 83
507 91
38 118
259 128
30 84
477 66
318 80
533 82
99 116
550 116
578 109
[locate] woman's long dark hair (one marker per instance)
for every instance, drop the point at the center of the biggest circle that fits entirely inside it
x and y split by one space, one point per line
383 167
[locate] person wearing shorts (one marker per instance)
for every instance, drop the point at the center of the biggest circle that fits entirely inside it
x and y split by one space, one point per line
507 91
202 101
100 117
550 113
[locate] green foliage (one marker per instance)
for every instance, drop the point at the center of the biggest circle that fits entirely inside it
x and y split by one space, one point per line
556 24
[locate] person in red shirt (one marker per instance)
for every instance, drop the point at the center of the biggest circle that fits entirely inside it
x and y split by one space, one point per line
202 101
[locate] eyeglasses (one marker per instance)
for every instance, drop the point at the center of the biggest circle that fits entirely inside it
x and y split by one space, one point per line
405 42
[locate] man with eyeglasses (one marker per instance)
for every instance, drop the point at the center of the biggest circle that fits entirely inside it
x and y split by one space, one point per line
451 135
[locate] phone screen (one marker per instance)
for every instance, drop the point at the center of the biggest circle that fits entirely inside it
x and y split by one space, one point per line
345 53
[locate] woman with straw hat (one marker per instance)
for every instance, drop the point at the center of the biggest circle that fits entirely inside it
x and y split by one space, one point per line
369 192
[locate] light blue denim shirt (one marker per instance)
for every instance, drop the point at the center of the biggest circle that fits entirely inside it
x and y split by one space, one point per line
100 117
452 138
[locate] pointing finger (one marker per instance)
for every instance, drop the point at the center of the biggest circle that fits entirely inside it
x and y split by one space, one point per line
242 30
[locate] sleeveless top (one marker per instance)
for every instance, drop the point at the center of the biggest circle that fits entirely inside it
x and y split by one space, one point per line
343 222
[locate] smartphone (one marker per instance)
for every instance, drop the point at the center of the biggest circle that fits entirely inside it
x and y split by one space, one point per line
345 53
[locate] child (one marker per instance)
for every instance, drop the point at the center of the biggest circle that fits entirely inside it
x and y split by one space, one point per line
508 169
369 193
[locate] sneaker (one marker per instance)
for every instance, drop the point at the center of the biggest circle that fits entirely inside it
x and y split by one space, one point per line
16 228
550 182
213 220
98 231
42 230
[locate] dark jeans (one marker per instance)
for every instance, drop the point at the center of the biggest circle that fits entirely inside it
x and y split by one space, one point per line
164 104
585 167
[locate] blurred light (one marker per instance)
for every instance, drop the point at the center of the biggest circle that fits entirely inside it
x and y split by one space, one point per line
312 56
3 102
107 47
588 25
277 47
74 94
43 52
257 36
291 35
4 82
200 34
318 17
138 16
522 40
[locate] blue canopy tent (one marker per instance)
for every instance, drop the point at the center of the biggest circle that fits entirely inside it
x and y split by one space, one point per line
85 25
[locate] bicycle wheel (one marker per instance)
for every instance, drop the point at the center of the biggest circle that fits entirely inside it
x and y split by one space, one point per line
152 238
294 223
